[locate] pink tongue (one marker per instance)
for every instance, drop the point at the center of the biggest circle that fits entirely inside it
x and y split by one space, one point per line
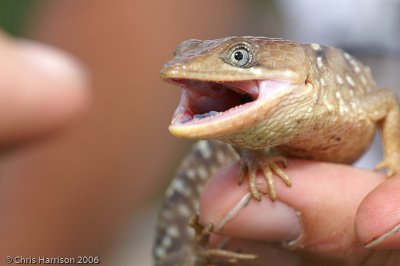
200 104
249 87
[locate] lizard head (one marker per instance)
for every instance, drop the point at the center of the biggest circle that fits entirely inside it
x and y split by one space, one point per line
228 84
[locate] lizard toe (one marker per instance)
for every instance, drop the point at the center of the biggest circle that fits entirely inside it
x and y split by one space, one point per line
391 163
270 166
281 174
270 182
252 182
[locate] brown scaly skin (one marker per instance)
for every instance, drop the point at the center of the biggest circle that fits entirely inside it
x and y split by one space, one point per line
321 104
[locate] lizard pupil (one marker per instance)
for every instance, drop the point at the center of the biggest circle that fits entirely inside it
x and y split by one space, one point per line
238 55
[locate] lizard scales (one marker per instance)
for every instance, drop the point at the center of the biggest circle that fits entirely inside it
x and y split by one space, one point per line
271 96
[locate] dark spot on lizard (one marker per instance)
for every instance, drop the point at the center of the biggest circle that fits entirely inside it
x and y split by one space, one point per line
175 197
321 53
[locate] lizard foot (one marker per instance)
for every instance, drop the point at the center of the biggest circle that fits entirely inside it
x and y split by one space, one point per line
392 164
202 236
268 165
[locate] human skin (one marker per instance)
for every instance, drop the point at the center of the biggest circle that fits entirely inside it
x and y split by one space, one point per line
338 208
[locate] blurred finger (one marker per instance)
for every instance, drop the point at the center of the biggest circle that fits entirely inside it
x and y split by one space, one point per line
41 88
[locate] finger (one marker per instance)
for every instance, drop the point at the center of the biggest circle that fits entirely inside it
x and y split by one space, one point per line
40 89
316 214
378 217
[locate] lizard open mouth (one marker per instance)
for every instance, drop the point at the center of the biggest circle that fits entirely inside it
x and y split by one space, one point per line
210 108
204 100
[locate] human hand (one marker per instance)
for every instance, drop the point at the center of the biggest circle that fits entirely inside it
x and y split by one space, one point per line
326 218
41 89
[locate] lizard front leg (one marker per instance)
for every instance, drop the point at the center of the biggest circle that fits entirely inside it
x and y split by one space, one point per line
382 106
253 160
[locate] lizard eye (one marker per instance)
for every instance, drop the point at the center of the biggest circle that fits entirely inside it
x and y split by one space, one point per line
240 56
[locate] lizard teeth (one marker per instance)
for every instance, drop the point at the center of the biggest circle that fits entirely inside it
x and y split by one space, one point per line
205 115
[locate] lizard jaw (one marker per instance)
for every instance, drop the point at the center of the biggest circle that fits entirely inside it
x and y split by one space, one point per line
210 109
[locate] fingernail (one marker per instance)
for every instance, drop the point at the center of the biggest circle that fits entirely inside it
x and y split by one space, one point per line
262 220
386 240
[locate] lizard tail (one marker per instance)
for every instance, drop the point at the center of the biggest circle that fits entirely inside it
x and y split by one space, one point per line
174 237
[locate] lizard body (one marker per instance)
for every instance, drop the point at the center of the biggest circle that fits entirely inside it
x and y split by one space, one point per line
272 96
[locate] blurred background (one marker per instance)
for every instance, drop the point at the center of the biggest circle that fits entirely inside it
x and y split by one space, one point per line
95 188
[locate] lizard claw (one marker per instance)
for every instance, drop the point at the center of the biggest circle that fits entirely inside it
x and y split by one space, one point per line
391 163
202 236
269 166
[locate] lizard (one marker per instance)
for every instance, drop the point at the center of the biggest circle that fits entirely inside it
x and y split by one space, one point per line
268 99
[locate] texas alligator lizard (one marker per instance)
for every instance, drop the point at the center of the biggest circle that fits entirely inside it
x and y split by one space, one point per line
266 98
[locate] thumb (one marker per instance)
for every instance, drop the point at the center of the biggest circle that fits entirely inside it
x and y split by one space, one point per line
378 217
